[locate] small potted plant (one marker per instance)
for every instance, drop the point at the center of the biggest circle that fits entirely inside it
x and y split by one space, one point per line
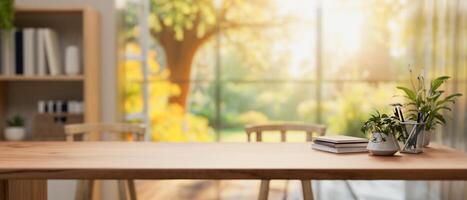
384 130
15 130
428 103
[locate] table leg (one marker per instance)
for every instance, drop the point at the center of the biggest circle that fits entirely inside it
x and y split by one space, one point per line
306 189
23 189
263 190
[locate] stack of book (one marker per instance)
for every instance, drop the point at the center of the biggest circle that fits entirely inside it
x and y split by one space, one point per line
340 144
59 106
29 52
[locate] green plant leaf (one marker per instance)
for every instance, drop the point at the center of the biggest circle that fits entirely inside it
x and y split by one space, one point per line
442 108
425 109
452 96
435 95
436 83
411 103
442 102
410 94
7 13
15 121
440 118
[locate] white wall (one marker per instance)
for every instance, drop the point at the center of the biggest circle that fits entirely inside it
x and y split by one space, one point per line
63 190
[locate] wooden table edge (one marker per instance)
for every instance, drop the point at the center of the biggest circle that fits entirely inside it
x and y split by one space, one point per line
313 174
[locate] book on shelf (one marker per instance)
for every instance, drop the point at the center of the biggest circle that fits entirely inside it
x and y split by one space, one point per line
41 65
8 50
52 52
30 52
340 144
19 67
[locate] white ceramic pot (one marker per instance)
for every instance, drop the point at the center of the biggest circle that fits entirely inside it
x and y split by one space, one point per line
15 133
381 144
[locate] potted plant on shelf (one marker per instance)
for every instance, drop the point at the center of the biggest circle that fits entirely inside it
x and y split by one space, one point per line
385 131
7 13
15 130
428 103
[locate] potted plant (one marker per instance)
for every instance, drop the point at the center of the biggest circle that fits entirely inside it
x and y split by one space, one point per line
15 130
384 130
7 14
428 104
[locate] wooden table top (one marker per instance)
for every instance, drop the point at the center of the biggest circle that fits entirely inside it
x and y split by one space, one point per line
145 160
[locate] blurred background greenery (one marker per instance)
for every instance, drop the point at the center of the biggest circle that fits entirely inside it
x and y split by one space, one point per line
216 66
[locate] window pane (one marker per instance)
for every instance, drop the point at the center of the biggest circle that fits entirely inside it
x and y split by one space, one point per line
204 63
347 104
250 103
133 87
202 101
285 53
365 40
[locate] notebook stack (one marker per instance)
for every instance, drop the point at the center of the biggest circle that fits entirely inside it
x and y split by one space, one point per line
340 144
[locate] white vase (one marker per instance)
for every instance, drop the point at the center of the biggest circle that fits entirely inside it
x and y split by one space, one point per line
381 144
15 133
72 60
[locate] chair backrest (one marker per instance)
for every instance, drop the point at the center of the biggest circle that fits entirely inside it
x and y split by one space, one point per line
283 128
83 130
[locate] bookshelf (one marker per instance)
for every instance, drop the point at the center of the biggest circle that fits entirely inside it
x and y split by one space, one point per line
75 25
42 78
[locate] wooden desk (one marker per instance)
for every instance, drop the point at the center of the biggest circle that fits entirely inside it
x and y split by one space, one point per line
24 166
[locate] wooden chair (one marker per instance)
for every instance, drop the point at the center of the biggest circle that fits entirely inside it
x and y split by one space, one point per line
283 128
85 187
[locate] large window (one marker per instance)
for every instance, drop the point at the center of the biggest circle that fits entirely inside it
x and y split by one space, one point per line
233 63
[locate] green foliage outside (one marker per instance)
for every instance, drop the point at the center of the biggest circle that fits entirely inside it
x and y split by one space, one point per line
182 15
266 72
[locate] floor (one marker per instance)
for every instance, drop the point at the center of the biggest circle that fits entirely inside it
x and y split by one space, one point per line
202 190
248 189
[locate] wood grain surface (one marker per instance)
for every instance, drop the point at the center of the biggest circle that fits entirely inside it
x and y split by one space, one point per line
23 189
144 160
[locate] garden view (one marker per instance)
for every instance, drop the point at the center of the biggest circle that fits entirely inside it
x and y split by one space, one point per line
215 66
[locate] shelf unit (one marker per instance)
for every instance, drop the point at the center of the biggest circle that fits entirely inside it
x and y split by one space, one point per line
42 78
75 25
